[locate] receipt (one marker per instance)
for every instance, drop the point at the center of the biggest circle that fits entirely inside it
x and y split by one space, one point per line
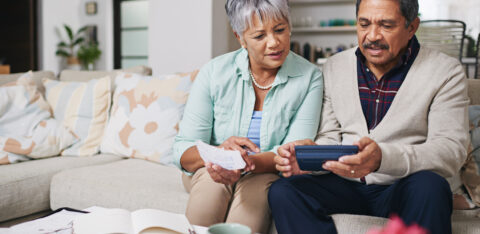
228 159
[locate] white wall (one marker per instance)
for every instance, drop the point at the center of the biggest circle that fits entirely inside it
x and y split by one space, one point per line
183 34
54 13
464 10
186 34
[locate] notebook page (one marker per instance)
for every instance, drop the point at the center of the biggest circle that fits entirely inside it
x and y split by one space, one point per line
106 221
147 218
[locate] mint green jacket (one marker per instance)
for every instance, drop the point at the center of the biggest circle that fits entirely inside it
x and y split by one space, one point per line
222 101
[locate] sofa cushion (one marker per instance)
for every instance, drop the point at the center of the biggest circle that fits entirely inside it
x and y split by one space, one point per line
37 77
83 108
463 222
129 184
145 114
27 129
474 91
84 76
25 187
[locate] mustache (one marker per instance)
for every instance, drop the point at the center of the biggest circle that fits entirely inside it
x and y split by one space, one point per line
376 44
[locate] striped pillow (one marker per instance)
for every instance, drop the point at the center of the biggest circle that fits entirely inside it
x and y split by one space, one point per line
82 107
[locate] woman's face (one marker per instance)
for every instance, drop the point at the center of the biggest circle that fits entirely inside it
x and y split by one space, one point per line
268 43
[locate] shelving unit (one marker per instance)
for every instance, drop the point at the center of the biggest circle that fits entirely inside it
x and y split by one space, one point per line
323 10
332 29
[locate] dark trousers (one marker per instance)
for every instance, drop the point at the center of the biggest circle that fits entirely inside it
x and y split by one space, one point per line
302 204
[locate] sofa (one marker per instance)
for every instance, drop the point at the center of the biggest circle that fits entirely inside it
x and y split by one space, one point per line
114 181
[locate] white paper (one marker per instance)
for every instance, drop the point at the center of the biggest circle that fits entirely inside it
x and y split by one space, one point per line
228 159
60 222
104 221
147 218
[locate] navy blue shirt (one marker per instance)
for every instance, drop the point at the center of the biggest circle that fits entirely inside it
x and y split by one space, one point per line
376 96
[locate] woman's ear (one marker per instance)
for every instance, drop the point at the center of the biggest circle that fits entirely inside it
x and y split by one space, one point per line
240 40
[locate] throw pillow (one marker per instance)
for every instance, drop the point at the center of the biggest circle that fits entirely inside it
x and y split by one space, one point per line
470 172
27 129
145 115
82 107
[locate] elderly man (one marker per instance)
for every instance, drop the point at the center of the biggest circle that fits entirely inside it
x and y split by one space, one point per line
405 107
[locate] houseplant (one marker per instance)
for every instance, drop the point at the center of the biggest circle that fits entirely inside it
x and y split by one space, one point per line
88 54
67 48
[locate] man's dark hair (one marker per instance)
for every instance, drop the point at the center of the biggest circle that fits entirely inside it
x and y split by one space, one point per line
408 8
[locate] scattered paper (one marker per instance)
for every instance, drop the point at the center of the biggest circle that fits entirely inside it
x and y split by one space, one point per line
60 222
228 159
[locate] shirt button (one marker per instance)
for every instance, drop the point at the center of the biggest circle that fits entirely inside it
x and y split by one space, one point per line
377 101
368 70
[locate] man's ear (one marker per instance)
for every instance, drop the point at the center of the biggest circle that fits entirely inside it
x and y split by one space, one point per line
413 27
240 40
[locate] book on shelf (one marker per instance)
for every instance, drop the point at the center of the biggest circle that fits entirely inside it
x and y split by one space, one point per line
139 221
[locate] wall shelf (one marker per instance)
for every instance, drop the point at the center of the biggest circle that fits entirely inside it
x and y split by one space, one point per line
332 29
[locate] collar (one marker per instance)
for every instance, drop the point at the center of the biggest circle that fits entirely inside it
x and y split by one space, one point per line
289 68
413 46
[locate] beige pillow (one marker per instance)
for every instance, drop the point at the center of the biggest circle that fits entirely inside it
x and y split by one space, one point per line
145 114
83 108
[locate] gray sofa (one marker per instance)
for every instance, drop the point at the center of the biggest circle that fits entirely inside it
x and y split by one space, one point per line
113 181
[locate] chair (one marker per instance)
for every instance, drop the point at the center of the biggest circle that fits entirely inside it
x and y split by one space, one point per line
443 35
477 54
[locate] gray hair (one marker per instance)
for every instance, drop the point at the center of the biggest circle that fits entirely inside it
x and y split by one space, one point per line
240 12
408 8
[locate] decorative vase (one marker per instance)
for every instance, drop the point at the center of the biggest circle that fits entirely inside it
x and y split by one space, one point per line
73 63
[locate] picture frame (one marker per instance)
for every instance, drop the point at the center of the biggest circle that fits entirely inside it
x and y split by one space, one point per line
91 8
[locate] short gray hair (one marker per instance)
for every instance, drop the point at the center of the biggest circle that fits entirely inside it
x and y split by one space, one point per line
408 8
240 12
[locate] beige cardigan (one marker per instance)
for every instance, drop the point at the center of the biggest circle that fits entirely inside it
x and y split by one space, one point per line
426 127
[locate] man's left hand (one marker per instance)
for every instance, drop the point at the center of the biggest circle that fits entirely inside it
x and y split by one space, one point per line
367 160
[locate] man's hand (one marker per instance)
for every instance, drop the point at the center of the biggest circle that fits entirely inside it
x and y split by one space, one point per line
366 161
243 145
222 175
286 160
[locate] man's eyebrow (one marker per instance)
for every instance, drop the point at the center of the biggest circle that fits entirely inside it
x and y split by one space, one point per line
388 21
363 19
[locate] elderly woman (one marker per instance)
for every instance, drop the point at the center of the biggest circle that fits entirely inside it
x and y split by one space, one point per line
253 99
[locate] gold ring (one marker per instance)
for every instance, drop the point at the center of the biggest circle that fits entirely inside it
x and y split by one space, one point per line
352 171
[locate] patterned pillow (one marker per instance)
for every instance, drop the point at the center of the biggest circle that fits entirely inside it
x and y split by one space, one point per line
470 172
26 126
83 108
145 114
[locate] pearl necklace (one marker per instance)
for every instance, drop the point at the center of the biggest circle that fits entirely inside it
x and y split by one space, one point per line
256 84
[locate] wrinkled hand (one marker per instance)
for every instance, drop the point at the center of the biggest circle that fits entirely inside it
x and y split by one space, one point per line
286 160
222 175
241 144
366 161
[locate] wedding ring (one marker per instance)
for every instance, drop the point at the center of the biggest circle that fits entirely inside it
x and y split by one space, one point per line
352 171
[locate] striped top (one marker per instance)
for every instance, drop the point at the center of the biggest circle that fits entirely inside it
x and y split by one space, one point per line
376 96
254 129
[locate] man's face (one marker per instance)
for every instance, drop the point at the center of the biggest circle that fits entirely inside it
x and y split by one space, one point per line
381 31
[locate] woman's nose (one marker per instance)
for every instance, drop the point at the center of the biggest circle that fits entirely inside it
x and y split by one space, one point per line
272 41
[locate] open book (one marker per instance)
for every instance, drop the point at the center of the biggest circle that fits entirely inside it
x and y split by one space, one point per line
123 221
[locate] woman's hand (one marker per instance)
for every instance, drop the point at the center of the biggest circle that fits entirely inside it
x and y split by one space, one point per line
243 145
222 175
286 160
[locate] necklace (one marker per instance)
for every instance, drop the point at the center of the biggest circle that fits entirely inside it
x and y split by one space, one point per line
256 84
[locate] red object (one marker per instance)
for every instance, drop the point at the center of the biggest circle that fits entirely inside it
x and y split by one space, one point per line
395 225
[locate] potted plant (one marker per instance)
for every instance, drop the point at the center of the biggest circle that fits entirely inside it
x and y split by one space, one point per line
67 48
88 54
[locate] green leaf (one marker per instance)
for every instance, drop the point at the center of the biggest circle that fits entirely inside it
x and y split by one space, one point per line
78 41
69 31
81 30
62 53
62 44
